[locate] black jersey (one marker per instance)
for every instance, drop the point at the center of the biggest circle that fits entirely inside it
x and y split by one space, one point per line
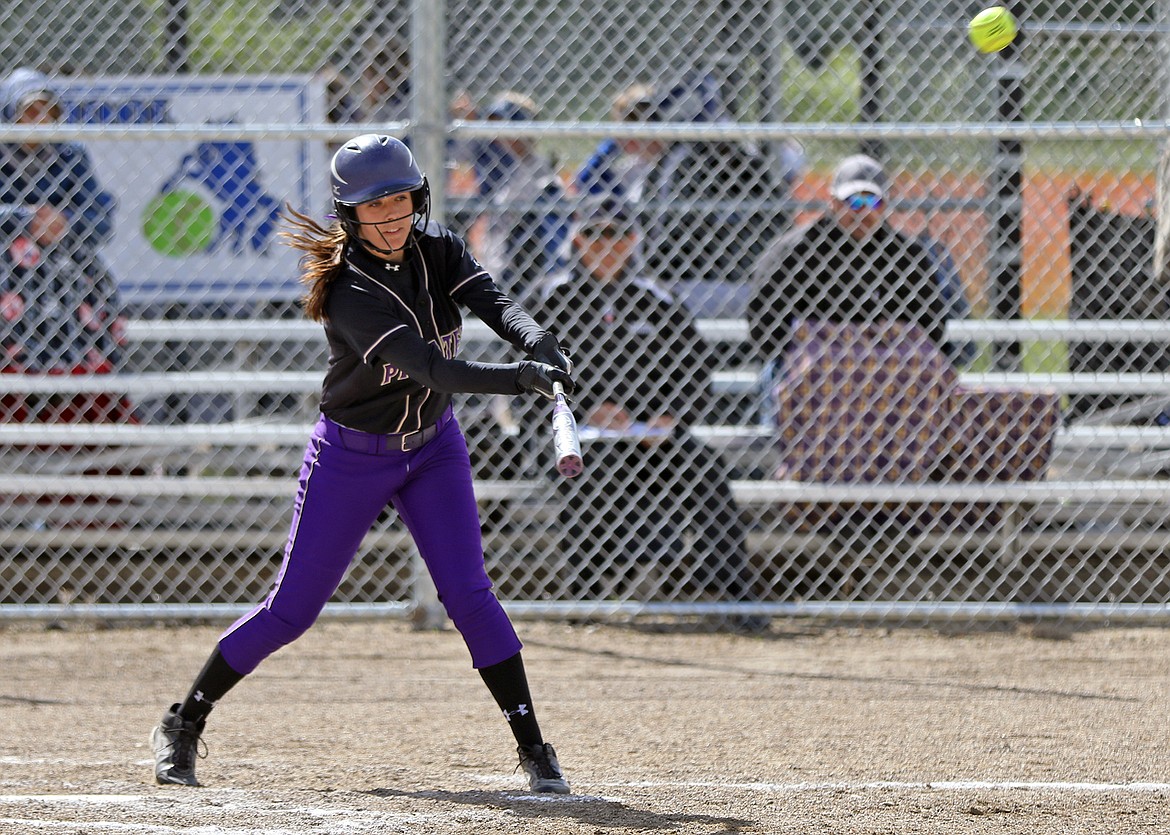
394 333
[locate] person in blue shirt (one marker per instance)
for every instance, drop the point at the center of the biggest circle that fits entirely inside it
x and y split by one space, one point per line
54 182
619 168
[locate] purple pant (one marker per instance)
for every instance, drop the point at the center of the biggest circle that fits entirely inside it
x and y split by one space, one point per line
343 488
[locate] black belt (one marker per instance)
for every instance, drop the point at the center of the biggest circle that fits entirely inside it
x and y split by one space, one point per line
378 444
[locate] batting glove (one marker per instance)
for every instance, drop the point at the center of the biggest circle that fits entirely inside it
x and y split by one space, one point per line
550 352
539 377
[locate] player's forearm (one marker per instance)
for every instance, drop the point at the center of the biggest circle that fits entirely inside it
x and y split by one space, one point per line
504 316
460 376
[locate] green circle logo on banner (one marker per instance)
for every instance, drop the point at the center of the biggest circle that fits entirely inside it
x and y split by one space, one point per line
178 223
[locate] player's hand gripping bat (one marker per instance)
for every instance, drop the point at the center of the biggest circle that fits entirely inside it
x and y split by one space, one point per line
566 441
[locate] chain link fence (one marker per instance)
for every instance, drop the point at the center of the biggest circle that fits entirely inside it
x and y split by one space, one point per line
968 419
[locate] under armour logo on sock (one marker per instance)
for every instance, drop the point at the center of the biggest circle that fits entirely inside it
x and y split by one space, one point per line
521 710
199 697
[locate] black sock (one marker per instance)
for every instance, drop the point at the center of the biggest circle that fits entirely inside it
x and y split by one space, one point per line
213 681
509 686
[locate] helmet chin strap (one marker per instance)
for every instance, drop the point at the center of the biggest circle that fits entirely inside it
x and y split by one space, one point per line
387 250
423 212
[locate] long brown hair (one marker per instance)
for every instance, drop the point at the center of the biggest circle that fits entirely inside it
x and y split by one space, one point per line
321 264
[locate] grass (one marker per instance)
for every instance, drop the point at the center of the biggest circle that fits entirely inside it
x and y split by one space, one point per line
241 36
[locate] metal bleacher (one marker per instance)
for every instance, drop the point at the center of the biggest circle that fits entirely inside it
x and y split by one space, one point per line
1080 441
217 484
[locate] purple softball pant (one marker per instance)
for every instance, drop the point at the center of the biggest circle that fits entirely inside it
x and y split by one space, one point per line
343 487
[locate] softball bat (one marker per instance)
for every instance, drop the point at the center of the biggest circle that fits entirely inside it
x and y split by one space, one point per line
566 441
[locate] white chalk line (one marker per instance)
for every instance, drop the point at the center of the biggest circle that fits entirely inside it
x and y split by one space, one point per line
226 803
785 788
87 827
368 821
67 761
886 785
764 787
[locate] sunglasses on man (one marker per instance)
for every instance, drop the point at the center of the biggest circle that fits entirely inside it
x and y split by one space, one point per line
857 202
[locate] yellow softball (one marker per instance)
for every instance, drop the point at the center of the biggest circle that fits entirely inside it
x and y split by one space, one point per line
992 29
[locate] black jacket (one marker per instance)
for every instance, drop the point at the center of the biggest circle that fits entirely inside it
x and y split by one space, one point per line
631 344
819 272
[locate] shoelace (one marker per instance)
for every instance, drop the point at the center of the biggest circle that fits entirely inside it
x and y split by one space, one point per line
539 758
184 743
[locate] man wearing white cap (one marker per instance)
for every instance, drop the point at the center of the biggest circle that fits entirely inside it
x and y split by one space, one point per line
848 265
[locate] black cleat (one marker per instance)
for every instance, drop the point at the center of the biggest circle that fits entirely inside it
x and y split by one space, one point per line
176 744
544 772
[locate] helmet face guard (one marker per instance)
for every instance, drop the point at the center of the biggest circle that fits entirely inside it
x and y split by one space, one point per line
372 166
420 211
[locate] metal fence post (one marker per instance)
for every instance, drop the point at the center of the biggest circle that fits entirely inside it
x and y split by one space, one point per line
428 133
1162 209
1007 190
428 96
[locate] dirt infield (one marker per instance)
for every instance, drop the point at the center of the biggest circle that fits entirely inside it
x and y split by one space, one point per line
369 727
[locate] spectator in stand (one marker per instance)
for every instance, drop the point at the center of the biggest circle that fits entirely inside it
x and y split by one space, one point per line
59 306
847 265
656 501
704 253
368 81
528 224
385 80
621 168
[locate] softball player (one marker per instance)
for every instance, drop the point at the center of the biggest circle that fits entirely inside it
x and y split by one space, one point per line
387 284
